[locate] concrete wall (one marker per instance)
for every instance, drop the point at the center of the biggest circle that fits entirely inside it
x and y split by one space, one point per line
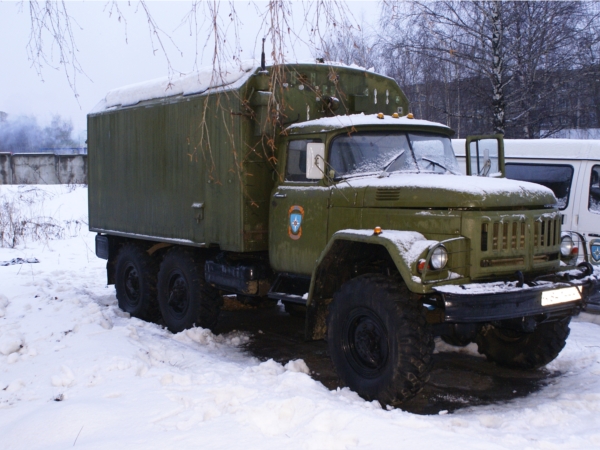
42 168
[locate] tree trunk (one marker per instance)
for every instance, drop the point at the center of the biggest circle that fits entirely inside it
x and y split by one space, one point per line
498 100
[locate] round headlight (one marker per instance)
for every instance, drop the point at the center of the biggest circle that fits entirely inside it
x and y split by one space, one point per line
566 246
439 258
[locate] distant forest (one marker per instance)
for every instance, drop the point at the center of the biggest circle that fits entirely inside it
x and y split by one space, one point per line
23 134
523 69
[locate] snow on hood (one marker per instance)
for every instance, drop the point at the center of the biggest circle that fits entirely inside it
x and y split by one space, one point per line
362 119
193 83
443 189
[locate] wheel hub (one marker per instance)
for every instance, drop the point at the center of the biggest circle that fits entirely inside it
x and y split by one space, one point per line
132 284
367 340
367 343
178 294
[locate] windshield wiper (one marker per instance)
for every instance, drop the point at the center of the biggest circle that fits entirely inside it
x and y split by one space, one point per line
437 164
385 168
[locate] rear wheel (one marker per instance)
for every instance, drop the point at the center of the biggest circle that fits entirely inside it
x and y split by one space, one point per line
185 299
135 282
378 340
521 350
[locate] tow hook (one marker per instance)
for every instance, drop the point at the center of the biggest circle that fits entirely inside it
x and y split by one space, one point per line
586 268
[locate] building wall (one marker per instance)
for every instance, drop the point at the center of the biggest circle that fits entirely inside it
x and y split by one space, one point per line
42 168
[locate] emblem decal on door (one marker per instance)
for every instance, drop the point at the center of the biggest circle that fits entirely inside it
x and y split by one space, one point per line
295 216
596 250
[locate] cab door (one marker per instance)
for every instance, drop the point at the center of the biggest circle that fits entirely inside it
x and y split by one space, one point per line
298 215
485 155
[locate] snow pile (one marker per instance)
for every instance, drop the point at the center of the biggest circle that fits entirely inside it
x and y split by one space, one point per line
77 371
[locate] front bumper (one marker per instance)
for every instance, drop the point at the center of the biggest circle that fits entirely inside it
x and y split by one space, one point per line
509 304
488 302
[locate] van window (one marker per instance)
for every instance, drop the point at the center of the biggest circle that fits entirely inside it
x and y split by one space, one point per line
553 176
594 204
295 169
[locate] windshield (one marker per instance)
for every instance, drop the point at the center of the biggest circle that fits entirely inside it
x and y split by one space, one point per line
392 151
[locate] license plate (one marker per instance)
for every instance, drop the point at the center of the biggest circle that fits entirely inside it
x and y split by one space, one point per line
558 296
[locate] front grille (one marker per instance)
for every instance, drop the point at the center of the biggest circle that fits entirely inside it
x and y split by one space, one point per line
505 235
510 235
546 232
387 195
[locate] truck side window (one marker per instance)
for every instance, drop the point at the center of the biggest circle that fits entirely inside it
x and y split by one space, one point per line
295 169
594 203
553 176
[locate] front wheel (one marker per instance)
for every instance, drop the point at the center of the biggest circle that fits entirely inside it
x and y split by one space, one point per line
185 299
521 350
379 341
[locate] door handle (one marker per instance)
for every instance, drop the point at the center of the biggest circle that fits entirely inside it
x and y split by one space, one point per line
278 195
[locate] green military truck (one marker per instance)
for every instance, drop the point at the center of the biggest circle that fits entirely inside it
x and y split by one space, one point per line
311 184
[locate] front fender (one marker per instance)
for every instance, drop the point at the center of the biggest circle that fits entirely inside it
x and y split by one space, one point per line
405 248
345 250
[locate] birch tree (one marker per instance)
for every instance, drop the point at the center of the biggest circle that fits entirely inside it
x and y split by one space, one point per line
511 58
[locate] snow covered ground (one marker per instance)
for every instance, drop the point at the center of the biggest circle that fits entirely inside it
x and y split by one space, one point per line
75 371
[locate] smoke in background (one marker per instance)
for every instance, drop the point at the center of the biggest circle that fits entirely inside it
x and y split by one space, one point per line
23 134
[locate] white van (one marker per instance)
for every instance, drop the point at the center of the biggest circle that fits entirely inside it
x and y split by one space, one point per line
570 167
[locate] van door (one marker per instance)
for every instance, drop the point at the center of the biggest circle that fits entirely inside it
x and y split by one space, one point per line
587 219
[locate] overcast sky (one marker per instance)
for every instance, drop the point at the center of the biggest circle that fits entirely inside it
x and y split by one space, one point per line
112 54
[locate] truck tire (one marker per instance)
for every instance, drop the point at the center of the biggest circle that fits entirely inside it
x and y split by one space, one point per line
185 299
520 350
135 282
379 341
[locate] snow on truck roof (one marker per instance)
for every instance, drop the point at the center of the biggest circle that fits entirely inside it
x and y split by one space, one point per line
194 83
544 148
335 122
229 77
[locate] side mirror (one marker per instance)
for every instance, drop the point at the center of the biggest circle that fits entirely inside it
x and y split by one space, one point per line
485 156
315 161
